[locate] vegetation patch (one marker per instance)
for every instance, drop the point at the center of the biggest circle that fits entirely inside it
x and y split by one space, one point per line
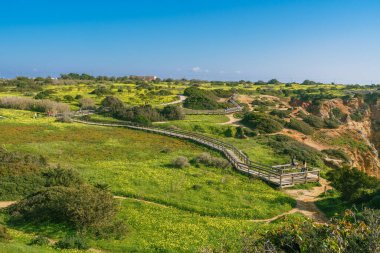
263 123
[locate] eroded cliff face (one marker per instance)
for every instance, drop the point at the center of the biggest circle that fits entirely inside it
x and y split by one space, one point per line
365 131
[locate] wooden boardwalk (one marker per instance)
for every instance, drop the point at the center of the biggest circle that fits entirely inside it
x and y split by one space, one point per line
237 158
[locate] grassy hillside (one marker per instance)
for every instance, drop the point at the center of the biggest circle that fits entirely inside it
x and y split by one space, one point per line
137 165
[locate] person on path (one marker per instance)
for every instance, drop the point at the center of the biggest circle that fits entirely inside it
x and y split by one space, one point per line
304 166
293 163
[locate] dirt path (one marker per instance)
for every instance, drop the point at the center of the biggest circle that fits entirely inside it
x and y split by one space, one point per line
306 201
231 120
246 100
141 200
4 204
180 100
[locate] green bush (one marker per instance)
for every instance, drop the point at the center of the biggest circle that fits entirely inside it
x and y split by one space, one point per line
284 145
68 98
82 207
199 99
300 126
354 185
61 177
332 123
263 123
102 91
40 241
353 233
280 113
337 154
313 120
172 112
16 163
72 242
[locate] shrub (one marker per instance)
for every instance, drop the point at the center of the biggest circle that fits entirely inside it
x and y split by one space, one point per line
68 98
240 133
40 241
199 99
284 145
87 103
172 112
16 163
313 120
300 126
280 113
354 185
208 160
102 91
4 235
61 177
64 118
332 123
353 233
82 207
338 154
34 105
44 94
337 113
230 132
262 122
181 162
72 242
140 114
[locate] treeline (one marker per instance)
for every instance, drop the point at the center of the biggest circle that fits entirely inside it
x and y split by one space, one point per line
140 114
25 84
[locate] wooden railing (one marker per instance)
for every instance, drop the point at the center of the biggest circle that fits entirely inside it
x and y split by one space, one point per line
236 157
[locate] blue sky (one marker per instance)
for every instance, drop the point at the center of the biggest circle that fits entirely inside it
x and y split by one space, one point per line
291 40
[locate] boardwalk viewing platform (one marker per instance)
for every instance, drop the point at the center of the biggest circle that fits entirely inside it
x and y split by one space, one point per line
274 175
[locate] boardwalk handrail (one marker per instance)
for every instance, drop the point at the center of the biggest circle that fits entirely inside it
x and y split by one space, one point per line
236 157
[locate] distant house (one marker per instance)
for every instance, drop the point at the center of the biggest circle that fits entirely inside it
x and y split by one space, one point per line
144 78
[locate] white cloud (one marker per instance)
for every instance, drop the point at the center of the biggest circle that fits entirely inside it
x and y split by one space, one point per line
238 72
196 69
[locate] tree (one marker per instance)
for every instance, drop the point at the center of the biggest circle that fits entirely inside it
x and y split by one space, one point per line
172 112
274 81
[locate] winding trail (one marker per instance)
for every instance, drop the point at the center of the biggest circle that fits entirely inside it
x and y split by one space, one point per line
306 201
4 204
180 100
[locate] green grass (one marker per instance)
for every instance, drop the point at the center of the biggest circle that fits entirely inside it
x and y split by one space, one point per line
331 204
133 164
199 207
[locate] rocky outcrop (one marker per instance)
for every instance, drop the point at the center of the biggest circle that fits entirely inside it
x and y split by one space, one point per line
364 132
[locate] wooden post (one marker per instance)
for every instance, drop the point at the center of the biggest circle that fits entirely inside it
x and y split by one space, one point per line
305 177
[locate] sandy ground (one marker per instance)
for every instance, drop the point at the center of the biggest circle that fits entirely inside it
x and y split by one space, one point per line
306 201
4 204
246 100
